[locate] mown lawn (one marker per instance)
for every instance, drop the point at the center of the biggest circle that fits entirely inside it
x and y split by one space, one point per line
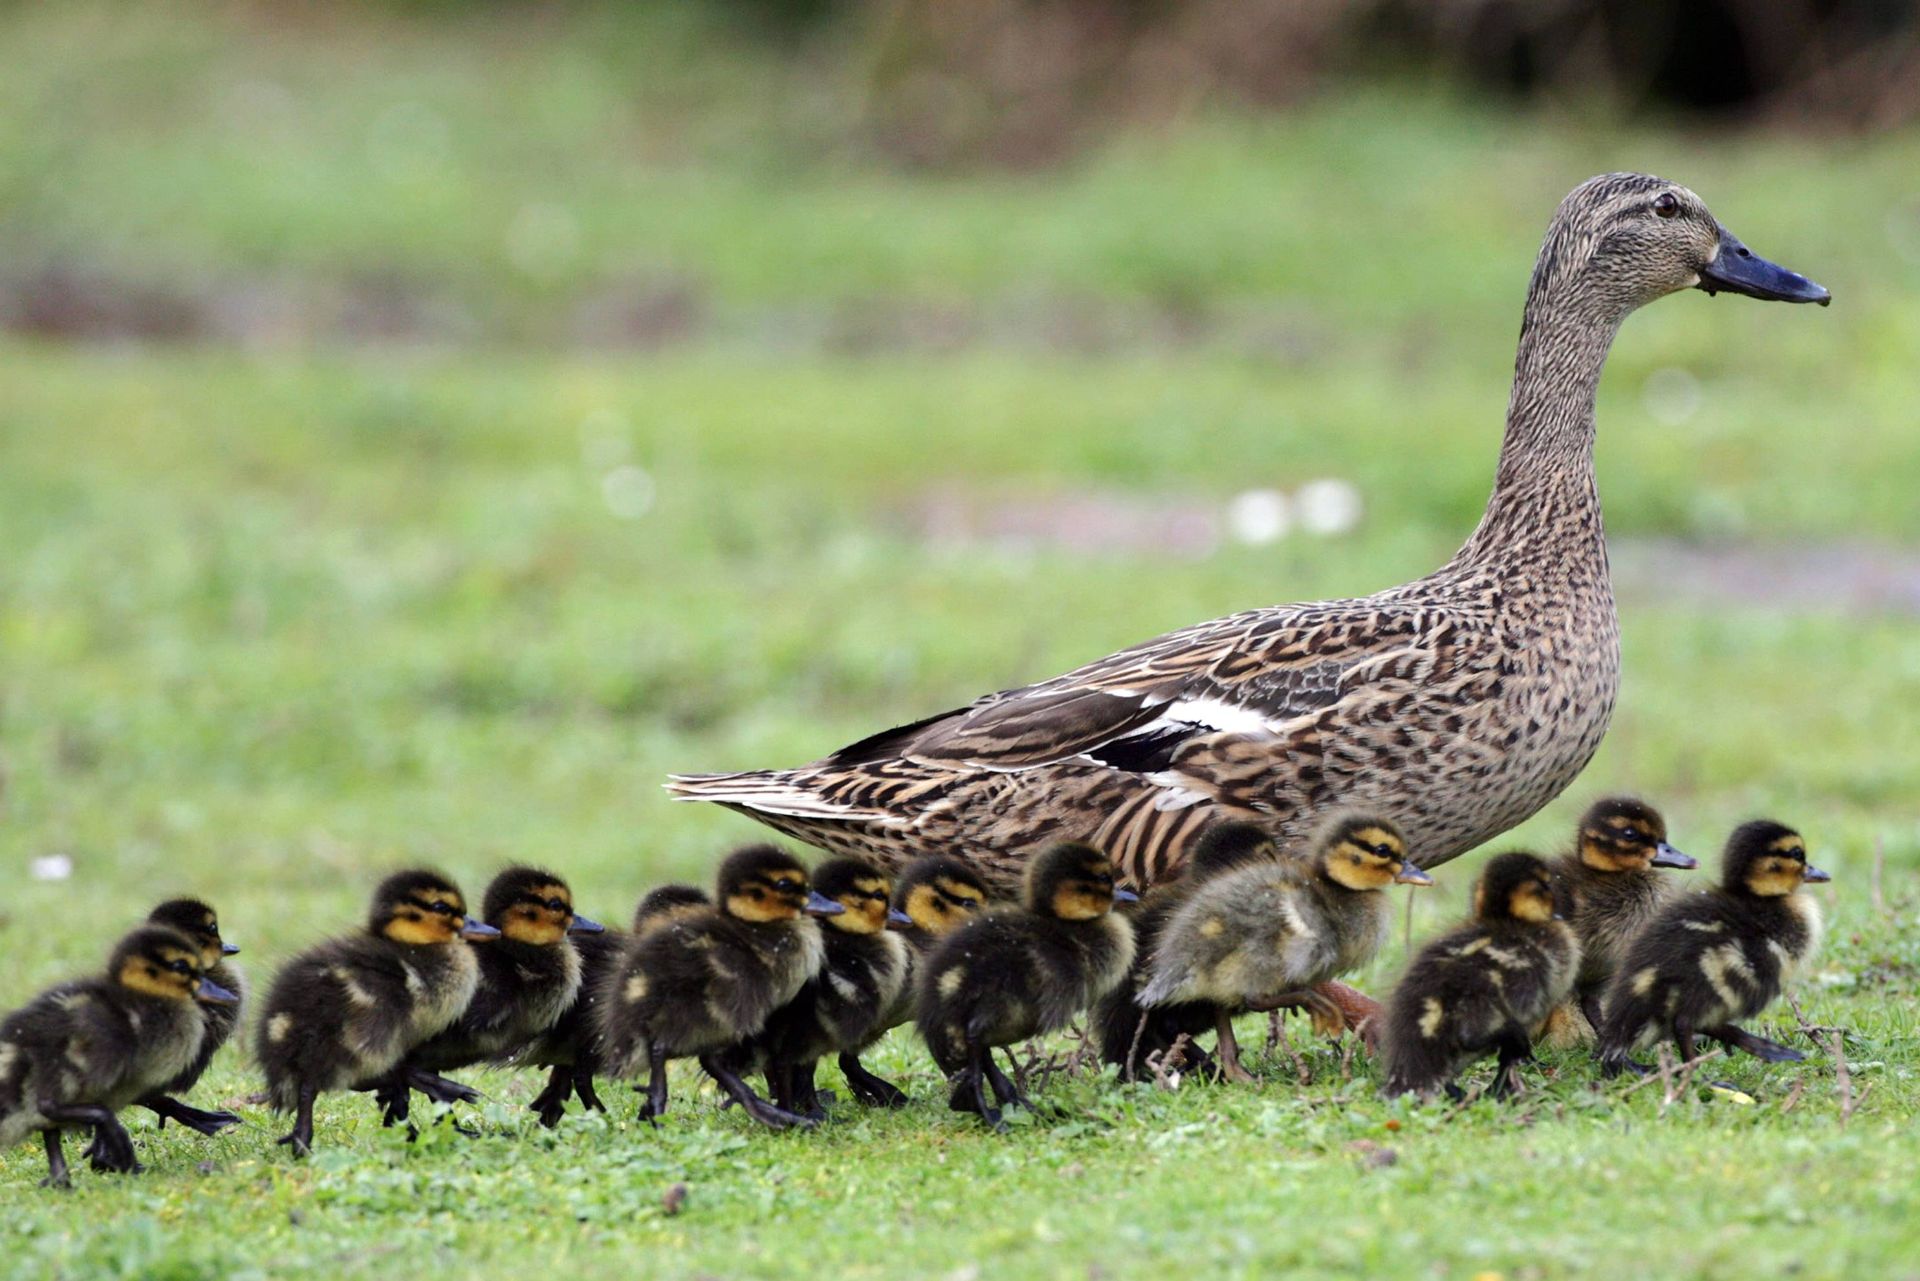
274 618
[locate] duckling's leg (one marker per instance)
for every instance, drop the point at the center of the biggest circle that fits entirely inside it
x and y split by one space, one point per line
1760 1047
115 1154
980 1068
655 1105
1228 1051
168 1108
752 1104
551 1103
300 1138
873 1091
1515 1048
57 1176
1590 1006
804 1088
584 1091
1683 1039
1005 1089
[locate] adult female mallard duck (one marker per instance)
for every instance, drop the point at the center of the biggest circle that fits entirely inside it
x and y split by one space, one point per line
1456 705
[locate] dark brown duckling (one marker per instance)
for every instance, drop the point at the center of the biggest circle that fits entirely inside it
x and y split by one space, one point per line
1711 959
704 982
345 1014
199 922
77 1054
1128 1035
1019 972
860 980
570 1048
935 896
1482 988
1264 934
529 976
1613 888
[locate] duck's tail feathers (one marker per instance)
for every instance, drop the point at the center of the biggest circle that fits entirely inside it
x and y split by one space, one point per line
783 792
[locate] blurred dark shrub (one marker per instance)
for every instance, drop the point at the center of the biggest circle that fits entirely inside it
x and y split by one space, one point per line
1023 81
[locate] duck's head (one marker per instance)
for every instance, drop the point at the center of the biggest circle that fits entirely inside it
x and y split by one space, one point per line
1767 860
528 905
1621 240
666 904
861 890
764 883
198 922
1225 845
423 909
937 894
1622 834
1073 882
1516 887
1365 852
160 961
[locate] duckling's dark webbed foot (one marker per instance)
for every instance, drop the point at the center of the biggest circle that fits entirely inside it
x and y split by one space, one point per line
441 1089
584 1091
57 1176
870 1090
551 1103
753 1105
195 1119
1762 1048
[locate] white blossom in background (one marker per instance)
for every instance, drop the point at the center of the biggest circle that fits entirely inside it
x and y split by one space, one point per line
1328 507
50 867
628 491
1670 396
1259 516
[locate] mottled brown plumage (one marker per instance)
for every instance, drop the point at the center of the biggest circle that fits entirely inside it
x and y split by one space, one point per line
1455 706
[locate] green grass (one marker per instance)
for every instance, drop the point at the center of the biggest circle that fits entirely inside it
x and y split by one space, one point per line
274 620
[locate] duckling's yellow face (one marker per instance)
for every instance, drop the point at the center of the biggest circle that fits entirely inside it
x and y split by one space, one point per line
865 902
426 918
165 970
540 915
1780 869
1532 900
1619 837
1084 892
943 904
775 894
1367 856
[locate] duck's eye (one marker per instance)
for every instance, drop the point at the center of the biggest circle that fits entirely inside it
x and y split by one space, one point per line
1666 204
557 905
178 967
444 909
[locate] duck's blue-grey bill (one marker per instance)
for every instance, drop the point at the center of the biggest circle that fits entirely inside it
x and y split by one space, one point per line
211 993
585 925
1664 855
1815 876
1739 270
819 904
229 949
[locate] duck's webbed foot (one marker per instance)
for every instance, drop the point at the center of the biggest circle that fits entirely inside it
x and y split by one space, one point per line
1357 1011
1227 1051
776 1118
168 1108
551 1103
1762 1048
870 1090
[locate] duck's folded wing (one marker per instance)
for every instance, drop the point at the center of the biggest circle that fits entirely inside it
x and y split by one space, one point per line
1250 673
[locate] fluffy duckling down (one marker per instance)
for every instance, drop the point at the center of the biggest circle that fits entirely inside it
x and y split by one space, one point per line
863 972
1018 972
1711 959
1482 988
1129 1036
935 896
345 1014
77 1054
1613 885
702 983
1261 935
200 923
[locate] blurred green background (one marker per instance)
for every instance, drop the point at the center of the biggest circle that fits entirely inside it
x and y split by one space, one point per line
423 426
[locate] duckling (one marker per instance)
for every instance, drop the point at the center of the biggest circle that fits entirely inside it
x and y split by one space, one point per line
201 924
935 896
570 1048
701 983
1484 986
345 1014
1258 936
861 978
78 1053
1018 972
1711 959
1127 1034
1612 888
529 976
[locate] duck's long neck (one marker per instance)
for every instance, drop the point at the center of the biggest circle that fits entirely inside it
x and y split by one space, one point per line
1544 492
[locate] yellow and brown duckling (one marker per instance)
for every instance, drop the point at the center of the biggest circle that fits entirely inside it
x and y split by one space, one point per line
860 980
1261 935
529 977
346 1013
1019 972
1711 959
77 1054
1482 988
1613 888
701 983
1128 1035
200 923
934 897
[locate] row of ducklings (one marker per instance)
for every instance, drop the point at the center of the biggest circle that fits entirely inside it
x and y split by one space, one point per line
750 983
